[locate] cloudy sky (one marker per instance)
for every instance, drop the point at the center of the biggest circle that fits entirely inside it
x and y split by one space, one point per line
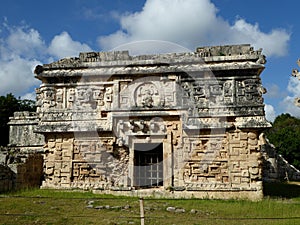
35 32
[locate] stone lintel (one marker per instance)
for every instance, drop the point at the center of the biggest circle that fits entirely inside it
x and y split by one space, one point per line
149 69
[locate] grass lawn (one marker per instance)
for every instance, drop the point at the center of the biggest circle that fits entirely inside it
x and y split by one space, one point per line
280 206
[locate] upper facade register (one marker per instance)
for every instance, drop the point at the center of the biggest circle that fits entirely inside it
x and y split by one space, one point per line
219 81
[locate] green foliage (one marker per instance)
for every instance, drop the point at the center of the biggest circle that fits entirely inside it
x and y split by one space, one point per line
285 136
8 105
282 190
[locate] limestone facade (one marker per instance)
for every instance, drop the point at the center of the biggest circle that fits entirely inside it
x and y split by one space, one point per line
181 124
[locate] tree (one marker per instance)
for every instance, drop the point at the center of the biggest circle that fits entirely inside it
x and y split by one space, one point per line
8 105
285 136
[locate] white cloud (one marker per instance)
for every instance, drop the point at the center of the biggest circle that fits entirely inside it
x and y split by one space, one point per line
20 47
274 43
16 76
151 47
289 107
270 112
62 46
294 86
25 43
288 102
192 23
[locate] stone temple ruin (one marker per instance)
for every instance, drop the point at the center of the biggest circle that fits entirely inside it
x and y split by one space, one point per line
174 125
184 124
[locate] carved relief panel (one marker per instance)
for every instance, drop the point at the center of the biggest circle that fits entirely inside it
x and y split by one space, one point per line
131 127
94 97
148 93
217 96
248 92
231 161
207 162
84 162
57 160
48 97
244 164
87 97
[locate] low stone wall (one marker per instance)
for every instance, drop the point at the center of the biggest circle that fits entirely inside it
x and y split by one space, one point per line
20 170
21 163
253 195
22 128
30 173
7 178
275 167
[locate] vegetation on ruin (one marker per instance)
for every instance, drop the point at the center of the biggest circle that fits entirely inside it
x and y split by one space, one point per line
285 136
8 105
280 206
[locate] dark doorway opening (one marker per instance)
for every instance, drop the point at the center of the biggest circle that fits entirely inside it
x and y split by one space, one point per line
148 165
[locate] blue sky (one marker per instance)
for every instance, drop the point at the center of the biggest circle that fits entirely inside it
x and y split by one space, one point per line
35 32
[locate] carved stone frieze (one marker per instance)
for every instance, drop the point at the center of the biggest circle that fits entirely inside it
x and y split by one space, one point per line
87 97
147 96
149 93
212 97
228 162
82 163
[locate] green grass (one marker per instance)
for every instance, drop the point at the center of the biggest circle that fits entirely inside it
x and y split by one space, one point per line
280 206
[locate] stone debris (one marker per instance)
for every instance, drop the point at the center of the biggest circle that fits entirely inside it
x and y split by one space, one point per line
180 210
91 202
193 211
90 206
108 207
175 210
171 209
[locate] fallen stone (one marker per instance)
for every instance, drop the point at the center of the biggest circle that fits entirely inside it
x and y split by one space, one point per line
193 211
171 209
127 207
90 202
180 210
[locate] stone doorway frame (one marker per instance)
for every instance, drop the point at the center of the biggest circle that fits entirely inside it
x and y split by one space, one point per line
148 165
167 148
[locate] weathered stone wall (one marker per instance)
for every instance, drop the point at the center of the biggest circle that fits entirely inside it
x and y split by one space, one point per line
30 173
85 162
233 164
22 160
7 178
21 130
201 113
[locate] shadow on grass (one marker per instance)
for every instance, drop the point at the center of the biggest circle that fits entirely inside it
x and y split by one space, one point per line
282 190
